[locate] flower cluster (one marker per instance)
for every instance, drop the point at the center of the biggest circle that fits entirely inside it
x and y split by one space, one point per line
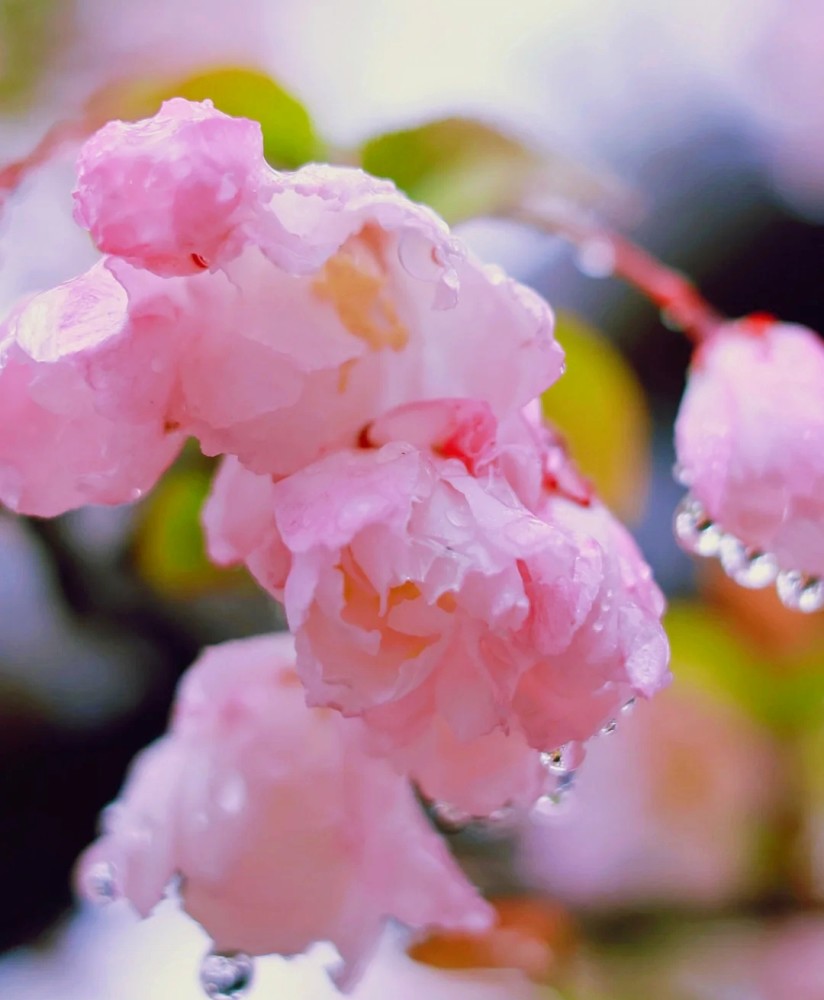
457 593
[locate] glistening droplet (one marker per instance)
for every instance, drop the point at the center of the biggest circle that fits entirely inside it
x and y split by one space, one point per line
226 976
99 883
609 728
449 818
596 258
748 567
800 592
695 530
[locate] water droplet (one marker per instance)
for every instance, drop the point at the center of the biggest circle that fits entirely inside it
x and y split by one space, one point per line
563 760
800 592
609 728
681 475
671 321
449 817
136 494
596 258
748 567
226 976
628 706
694 529
100 883
419 257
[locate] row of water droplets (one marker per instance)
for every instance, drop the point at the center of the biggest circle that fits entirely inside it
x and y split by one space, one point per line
700 535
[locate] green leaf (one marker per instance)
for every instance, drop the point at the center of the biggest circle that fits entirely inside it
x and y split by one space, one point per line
465 168
289 137
600 408
169 546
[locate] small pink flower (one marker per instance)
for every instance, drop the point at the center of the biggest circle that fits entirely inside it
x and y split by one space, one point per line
750 446
283 831
287 311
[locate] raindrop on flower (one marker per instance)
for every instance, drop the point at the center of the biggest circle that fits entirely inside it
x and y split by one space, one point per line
226 976
628 706
800 592
449 818
563 760
596 258
100 883
748 567
609 728
696 532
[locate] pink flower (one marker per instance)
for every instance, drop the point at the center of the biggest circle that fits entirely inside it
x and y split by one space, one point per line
304 306
467 630
283 831
750 445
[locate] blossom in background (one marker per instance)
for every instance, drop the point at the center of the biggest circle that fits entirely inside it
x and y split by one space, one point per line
750 447
282 830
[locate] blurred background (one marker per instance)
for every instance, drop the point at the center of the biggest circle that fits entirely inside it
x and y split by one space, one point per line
689 862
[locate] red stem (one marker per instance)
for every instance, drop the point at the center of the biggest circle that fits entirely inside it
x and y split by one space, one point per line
672 292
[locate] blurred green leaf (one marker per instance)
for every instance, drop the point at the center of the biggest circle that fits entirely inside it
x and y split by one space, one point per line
169 545
289 137
465 168
710 653
600 408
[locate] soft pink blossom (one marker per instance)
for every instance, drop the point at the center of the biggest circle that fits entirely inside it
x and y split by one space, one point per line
283 831
302 307
467 630
750 443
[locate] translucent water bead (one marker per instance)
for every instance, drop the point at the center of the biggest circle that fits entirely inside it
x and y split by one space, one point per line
747 566
226 976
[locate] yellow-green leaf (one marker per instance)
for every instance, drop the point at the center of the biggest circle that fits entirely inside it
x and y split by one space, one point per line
465 168
169 546
600 408
289 137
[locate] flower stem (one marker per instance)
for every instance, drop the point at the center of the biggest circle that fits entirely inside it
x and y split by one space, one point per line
605 252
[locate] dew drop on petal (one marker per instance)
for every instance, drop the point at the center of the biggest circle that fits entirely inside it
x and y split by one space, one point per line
609 728
800 592
418 256
747 567
99 883
596 258
695 531
565 759
628 706
449 818
226 975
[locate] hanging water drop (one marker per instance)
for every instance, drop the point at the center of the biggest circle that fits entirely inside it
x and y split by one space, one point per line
596 258
696 532
609 728
449 818
100 883
226 975
746 566
628 706
800 592
564 759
